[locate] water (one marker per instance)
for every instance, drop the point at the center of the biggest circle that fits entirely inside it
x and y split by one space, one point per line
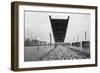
33 53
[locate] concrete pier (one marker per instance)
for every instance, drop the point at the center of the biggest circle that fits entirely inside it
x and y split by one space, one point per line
64 53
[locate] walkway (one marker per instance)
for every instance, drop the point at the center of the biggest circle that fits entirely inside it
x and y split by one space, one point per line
63 53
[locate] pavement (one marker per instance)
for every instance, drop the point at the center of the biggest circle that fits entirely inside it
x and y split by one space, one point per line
81 49
64 53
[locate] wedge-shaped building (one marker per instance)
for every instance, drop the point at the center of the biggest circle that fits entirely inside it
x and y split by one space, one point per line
59 28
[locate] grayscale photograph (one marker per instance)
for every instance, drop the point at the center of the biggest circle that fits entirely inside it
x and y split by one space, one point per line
56 36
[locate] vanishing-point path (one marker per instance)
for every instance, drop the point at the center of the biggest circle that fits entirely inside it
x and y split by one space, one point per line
63 53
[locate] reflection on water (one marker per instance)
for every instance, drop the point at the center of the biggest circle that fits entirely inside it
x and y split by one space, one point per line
33 53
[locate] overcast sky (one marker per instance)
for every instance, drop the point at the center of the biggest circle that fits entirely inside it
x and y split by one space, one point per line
38 26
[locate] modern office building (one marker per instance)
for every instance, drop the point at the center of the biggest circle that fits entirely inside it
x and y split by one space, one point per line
59 28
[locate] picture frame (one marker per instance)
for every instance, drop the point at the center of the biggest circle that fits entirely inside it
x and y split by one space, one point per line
42 34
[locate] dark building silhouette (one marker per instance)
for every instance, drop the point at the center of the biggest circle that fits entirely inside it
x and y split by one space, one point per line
77 44
59 27
85 44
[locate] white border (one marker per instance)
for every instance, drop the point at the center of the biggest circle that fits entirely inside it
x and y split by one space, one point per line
23 64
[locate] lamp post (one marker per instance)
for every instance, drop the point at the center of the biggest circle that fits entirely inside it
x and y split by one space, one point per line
77 38
85 35
50 39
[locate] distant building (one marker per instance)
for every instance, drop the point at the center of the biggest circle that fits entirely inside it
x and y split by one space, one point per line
42 42
27 42
34 42
77 44
85 44
66 44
